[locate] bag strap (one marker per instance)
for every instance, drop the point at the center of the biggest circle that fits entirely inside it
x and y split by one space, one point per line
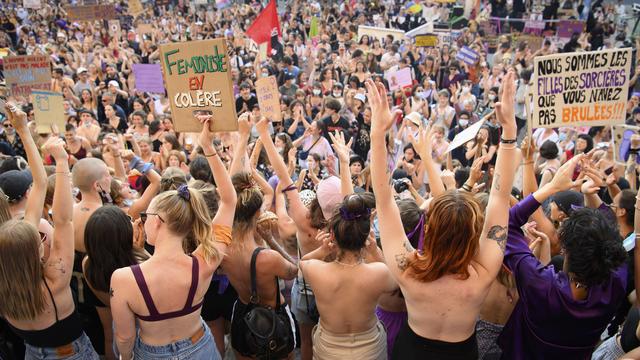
255 299
314 143
304 282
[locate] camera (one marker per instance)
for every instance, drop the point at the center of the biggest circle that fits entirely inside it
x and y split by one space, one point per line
400 185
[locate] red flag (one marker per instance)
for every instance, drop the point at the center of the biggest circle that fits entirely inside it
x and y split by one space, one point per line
265 26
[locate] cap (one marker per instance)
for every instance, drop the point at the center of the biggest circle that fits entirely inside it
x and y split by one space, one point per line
415 118
15 183
114 83
568 200
329 195
636 110
360 97
81 70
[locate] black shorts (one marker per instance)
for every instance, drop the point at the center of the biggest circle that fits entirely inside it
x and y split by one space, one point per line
216 305
410 345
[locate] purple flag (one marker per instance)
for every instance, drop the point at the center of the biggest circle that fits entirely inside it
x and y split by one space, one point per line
148 78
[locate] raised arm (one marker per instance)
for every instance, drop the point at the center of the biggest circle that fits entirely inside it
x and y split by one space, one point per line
35 202
423 145
494 232
297 209
60 263
395 245
227 192
239 161
143 202
343 150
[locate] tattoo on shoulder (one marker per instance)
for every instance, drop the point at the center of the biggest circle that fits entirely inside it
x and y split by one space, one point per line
110 292
57 265
498 234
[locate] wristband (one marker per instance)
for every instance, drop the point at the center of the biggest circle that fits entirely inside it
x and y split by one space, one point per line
145 168
289 188
211 155
508 141
466 187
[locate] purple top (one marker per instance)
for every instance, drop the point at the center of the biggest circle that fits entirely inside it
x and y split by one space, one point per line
547 323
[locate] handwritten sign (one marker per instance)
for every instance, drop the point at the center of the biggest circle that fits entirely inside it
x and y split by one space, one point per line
583 88
399 79
467 55
198 80
32 4
622 142
379 33
135 8
148 78
426 40
566 28
92 12
465 135
269 98
48 109
24 73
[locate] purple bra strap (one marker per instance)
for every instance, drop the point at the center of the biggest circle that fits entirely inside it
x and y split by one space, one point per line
195 273
419 227
144 289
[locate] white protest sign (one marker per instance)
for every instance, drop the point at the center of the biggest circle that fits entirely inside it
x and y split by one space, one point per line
581 89
464 136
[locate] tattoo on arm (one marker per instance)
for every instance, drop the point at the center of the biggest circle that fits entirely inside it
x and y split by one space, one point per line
110 292
498 234
496 182
401 259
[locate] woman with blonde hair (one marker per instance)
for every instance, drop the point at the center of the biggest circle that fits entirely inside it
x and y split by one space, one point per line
449 273
154 292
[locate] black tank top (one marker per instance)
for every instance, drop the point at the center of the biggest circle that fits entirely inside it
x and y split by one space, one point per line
62 332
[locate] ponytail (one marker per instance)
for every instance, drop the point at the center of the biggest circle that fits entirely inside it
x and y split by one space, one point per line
201 226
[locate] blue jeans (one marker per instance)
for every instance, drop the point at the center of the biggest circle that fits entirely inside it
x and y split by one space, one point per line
203 349
80 349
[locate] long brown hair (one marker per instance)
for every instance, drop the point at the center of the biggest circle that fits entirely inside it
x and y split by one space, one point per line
21 272
451 238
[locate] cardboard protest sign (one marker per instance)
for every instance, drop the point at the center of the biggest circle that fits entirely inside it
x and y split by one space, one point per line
426 40
114 26
135 8
622 142
49 110
198 80
32 4
566 28
91 12
27 72
144 29
582 88
148 78
467 55
464 136
399 79
269 98
534 42
379 33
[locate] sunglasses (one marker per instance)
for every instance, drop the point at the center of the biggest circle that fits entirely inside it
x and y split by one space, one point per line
7 125
144 215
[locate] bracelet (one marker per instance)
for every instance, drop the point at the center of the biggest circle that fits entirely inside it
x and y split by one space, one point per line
508 141
211 155
289 188
466 187
508 146
528 162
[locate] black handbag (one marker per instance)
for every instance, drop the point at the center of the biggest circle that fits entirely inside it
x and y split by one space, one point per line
268 332
304 154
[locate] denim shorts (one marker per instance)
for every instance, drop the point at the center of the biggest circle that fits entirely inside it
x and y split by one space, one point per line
79 349
203 349
306 314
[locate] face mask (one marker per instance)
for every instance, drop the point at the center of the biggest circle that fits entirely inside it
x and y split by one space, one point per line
127 202
562 136
104 196
492 97
317 92
463 123
265 74
466 90
337 94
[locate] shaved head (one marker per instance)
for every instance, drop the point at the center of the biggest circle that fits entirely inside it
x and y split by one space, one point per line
87 172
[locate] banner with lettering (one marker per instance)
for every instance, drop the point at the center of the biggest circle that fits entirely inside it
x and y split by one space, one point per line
92 12
198 81
269 98
48 110
581 89
27 72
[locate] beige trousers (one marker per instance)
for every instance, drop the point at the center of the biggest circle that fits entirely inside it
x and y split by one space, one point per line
366 345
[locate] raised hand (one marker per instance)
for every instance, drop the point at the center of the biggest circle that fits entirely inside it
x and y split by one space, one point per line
342 150
475 173
381 116
505 111
55 147
528 148
423 142
17 117
245 123
563 179
262 126
205 139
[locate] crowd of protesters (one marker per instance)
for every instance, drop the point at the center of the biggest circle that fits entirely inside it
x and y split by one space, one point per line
348 226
